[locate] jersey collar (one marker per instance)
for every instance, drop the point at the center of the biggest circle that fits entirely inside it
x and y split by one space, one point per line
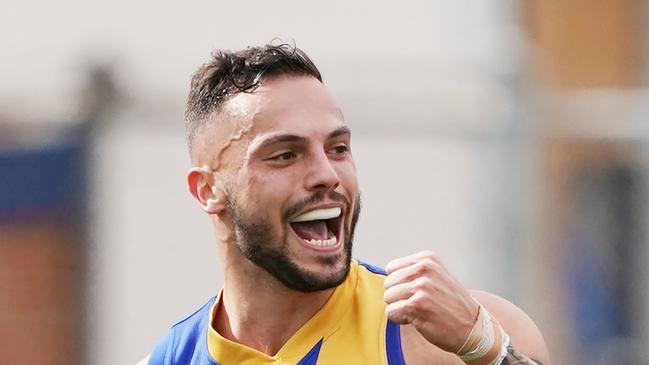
324 323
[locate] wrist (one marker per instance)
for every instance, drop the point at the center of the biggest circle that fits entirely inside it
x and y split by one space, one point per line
487 342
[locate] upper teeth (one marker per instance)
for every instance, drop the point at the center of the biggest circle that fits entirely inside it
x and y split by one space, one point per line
318 214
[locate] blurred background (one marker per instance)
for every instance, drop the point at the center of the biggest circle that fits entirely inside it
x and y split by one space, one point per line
509 136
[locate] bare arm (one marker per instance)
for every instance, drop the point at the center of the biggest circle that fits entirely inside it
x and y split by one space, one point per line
514 357
438 315
527 344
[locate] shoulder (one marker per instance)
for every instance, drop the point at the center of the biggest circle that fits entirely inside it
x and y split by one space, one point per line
369 280
195 319
522 330
371 268
182 338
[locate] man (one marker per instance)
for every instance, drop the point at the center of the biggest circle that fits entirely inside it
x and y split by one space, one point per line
272 166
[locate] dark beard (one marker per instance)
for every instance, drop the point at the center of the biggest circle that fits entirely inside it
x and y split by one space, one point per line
255 239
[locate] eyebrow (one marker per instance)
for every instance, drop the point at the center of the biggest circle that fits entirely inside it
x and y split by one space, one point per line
283 138
339 131
280 138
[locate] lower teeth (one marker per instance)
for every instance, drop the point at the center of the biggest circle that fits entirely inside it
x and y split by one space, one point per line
328 242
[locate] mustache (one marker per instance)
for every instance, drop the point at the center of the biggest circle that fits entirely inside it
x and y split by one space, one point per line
313 199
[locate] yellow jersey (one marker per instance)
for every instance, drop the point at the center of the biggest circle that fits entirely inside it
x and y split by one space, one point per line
350 329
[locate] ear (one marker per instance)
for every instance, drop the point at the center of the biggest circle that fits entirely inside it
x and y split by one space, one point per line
206 189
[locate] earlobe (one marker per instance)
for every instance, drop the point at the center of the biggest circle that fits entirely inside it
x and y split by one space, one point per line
203 187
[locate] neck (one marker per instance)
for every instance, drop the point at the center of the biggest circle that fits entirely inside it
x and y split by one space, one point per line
258 311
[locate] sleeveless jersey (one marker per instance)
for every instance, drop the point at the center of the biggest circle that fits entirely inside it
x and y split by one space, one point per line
350 329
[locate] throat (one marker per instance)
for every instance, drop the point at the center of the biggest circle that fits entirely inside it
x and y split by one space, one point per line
266 322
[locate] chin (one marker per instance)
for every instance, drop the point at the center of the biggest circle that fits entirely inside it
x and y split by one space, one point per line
321 273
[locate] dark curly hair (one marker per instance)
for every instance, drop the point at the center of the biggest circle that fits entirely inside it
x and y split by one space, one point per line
231 72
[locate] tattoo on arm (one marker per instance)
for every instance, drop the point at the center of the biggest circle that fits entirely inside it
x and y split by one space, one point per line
514 357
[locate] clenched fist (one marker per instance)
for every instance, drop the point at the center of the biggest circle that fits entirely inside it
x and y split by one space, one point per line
420 291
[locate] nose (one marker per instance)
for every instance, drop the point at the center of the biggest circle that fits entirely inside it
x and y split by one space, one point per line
321 173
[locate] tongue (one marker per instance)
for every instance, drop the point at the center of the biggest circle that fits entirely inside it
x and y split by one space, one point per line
311 230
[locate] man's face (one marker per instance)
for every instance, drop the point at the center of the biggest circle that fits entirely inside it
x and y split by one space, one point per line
292 195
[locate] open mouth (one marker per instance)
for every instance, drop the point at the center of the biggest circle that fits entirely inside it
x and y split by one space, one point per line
319 228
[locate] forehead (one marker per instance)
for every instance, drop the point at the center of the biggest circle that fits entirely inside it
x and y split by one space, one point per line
297 105
300 106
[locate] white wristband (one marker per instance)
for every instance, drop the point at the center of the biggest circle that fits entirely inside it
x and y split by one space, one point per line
486 341
491 348
503 348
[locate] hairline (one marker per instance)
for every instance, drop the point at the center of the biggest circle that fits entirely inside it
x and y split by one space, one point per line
220 112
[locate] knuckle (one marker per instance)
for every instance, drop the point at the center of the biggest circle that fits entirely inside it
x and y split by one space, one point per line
409 306
425 265
415 304
422 283
431 262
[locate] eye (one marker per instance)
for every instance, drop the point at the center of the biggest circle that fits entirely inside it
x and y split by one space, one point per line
339 149
282 156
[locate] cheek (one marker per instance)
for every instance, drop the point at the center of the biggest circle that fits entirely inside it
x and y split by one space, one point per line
259 176
348 178
253 191
268 190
